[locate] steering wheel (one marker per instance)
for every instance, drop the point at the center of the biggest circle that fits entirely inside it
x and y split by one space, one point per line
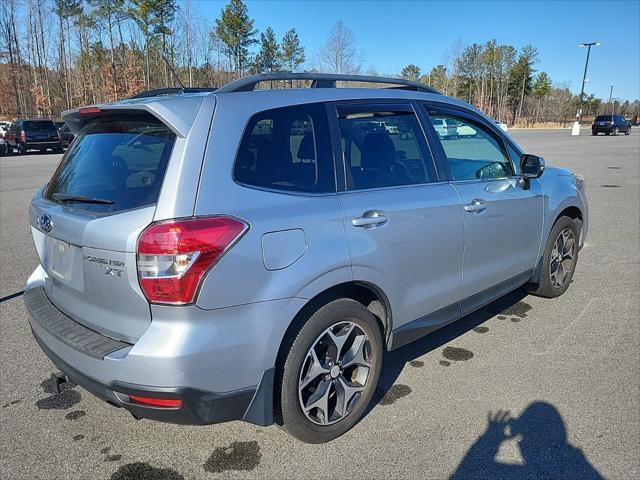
492 170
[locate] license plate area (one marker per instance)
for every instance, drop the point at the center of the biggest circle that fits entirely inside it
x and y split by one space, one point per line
60 259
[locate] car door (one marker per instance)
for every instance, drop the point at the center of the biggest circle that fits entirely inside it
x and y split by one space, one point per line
403 225
503 214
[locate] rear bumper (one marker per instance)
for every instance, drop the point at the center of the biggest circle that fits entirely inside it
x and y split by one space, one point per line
602 129
177 367
198 407
36 144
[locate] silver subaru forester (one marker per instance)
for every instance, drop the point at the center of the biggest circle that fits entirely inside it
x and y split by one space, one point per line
247 254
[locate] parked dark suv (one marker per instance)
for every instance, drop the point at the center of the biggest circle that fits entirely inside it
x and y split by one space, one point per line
610 124
37 134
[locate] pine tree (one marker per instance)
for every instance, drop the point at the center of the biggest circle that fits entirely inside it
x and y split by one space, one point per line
411 72
268 59
291 53
235 30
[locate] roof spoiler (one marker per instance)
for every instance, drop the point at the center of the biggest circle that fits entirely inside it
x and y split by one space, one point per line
177 113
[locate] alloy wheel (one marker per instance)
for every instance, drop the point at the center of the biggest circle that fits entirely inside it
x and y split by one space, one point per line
334 373
562 258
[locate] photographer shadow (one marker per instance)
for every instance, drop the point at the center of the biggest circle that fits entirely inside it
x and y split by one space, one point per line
542 439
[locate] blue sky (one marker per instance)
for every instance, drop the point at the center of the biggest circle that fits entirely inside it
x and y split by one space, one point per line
394 34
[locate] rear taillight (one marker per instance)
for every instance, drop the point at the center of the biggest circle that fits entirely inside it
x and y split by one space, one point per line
174 256
23 136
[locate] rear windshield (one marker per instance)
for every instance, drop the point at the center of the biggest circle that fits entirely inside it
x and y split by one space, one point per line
603 118
39 126
119 161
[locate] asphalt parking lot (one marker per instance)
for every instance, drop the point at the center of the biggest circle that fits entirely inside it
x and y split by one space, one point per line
567 370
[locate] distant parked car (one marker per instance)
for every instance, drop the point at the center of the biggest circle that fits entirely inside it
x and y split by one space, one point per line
3 145
66 137
35 134
503 126
610 124
446 128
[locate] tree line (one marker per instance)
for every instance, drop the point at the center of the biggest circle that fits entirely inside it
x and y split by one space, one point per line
59 54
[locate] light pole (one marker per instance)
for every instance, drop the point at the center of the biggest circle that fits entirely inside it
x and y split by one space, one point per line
610 94
576 125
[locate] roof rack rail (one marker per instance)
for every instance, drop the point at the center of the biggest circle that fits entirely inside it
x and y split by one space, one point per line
159 92
320 80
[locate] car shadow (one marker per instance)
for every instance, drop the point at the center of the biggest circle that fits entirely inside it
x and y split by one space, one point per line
541 437
396 360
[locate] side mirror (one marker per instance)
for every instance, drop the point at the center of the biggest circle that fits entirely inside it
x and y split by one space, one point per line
531 166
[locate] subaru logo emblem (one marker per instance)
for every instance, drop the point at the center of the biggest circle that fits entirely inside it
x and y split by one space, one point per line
45 223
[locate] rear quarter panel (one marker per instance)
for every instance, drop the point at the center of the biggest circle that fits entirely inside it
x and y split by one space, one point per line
249 273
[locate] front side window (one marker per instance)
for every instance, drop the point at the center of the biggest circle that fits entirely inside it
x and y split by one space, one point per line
473 150
384 149
287 149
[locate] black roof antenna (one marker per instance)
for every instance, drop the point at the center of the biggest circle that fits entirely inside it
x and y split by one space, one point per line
172 70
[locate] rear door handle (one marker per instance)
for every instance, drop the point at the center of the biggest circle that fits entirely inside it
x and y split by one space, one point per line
370 220
476 206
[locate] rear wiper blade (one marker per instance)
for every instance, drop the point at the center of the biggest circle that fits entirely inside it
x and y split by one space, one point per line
65 197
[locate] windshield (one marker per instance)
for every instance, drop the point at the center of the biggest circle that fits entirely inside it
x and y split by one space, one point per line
118 159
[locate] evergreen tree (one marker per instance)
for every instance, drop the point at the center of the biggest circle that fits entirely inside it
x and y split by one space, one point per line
291 53
268 59
411 72
235 29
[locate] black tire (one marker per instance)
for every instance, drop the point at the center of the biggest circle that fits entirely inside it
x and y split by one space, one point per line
546 288
21 148
594 134
58 150
615 131
292 359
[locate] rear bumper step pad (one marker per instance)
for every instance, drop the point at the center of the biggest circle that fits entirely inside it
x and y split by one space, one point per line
65 329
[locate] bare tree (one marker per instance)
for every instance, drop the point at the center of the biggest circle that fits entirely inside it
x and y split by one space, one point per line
339 55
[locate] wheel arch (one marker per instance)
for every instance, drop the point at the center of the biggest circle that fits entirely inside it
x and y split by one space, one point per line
366 293
572 211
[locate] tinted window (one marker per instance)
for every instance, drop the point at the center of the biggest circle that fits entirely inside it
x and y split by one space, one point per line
603 118
515 158
119 159
287 149
473 150
38 126
384 149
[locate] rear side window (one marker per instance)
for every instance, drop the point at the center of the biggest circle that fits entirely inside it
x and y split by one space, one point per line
115 159
383 148
287 149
